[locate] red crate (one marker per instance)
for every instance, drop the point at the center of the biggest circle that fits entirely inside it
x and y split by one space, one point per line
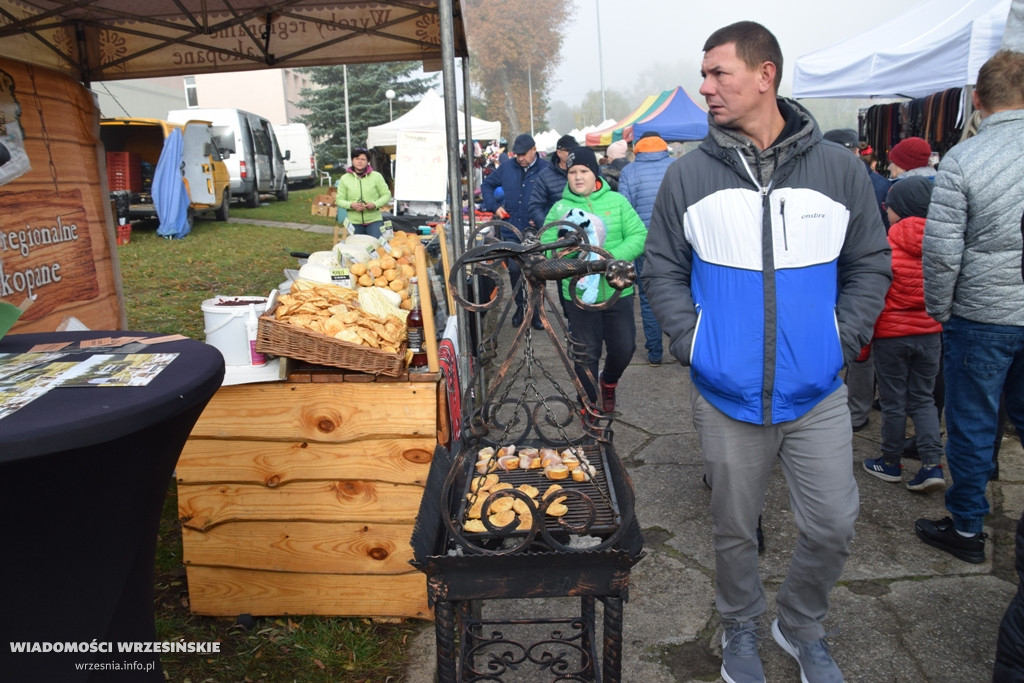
124 171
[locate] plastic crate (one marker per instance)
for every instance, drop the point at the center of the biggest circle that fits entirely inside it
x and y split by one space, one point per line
124 171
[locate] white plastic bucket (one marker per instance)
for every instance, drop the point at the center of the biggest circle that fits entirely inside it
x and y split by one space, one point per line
224 317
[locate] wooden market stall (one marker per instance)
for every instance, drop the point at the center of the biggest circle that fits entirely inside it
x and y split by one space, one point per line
296 496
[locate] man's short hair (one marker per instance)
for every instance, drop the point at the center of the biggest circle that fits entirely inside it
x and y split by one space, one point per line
754 45
1001 81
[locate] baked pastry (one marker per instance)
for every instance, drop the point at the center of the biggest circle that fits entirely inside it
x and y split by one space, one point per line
475 526
557 509
556 472
502 519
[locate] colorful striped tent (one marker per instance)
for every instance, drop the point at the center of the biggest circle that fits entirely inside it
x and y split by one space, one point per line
672 114
679 118
623 130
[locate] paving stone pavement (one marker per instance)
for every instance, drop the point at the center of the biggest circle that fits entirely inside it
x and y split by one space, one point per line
902 611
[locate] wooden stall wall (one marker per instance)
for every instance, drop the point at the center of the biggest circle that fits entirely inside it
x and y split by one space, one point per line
57 239
300 497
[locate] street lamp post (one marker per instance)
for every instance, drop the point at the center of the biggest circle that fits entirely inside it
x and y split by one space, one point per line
390 94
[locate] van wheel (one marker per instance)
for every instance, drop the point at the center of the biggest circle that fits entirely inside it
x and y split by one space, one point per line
252 200
282 196
190 218
225 206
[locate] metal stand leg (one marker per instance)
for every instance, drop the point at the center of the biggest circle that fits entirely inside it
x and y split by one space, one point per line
444 634
612 639
587 614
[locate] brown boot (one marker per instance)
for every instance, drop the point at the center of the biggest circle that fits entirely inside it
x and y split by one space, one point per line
608 396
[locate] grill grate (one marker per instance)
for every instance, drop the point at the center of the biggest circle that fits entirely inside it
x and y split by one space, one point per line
592 506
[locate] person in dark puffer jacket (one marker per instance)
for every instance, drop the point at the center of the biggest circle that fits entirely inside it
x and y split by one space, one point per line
1010 644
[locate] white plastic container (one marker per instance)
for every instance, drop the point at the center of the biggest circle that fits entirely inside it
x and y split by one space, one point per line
224 318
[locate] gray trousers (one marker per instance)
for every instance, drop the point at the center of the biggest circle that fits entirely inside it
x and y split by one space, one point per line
906 368
816 453
860 385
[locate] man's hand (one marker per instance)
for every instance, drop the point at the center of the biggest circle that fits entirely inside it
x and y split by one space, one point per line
369 206
358 206
502 213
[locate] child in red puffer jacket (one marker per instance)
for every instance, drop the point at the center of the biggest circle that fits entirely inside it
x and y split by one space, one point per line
907 346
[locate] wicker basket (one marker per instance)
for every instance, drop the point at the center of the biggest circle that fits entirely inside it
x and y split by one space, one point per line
282 339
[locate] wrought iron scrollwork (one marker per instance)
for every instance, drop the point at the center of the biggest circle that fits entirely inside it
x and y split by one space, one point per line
515 408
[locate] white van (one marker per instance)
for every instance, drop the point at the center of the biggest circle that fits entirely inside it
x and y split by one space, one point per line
256 164
300 158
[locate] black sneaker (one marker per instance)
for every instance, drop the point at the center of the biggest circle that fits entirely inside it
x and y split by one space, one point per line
943 535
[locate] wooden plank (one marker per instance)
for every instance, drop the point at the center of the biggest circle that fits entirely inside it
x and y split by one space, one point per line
311 547
215 591
320 412
275 463
201 506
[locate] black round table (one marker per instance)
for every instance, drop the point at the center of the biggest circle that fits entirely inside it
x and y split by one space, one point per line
84 473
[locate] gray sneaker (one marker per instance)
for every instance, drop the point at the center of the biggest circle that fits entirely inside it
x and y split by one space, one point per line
816 664
741 662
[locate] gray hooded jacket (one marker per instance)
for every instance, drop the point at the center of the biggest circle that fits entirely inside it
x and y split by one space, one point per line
767 268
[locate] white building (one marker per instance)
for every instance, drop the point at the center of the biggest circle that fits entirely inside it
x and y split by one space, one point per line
272 93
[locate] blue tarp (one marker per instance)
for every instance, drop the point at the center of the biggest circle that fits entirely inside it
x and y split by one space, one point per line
170 197
678 119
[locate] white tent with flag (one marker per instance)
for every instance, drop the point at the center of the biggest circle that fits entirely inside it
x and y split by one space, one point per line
428 116
933 46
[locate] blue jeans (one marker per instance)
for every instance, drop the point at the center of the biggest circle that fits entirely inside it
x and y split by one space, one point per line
614 329
371 229
652 330
980 361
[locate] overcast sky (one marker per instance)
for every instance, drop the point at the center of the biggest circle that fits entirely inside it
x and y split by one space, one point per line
646 43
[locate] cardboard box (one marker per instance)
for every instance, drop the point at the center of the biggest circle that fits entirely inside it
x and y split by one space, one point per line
323 205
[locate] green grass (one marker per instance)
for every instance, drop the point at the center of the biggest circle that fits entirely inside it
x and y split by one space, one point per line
165 283
295 210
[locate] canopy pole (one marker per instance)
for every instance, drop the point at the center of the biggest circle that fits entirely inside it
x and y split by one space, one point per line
451 113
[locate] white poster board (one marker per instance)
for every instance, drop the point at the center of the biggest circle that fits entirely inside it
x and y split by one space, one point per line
421 166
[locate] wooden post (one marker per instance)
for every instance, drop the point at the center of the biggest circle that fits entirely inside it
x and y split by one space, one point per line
445 267
429 330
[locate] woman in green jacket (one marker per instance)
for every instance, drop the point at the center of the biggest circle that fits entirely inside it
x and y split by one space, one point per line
587 197
362 192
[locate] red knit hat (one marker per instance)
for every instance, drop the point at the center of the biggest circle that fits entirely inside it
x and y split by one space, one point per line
911 153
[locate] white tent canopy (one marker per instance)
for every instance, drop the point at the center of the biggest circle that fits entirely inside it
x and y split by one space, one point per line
935 45
547 140
428 116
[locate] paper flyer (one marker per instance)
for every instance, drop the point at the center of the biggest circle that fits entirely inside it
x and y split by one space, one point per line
17 391
109 370
13 363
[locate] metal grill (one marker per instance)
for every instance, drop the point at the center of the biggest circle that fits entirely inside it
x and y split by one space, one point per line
587 552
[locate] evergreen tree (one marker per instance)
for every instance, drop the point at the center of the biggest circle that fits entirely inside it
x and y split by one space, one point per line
367 105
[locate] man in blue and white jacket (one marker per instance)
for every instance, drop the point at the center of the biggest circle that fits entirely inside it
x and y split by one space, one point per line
766 265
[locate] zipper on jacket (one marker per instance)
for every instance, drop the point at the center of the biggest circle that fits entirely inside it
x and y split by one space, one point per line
785 235
763 189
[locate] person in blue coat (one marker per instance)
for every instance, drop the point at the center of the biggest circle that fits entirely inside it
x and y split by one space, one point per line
517 180
639 184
